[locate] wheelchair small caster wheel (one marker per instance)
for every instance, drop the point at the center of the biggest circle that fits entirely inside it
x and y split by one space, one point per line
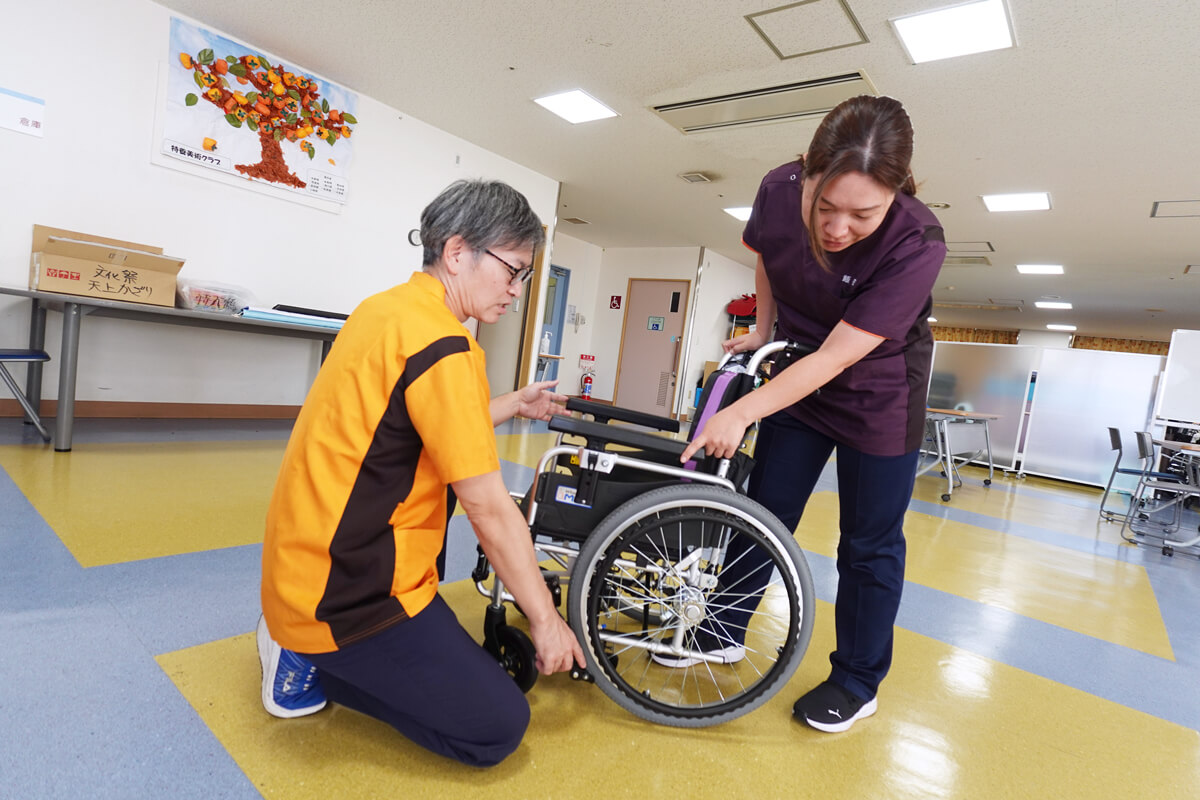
517 656
1168 550
987 481
946 498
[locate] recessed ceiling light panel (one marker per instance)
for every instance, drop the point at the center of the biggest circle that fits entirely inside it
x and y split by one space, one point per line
1052 304
575 106
1019 201
960 30
1060 327
1040 269
742 212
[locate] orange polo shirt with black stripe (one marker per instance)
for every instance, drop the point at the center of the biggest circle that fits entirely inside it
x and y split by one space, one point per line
398 410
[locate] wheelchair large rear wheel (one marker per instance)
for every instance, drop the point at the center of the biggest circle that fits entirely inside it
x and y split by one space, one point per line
694 605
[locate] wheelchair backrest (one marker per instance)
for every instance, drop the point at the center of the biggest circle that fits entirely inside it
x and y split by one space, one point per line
723 388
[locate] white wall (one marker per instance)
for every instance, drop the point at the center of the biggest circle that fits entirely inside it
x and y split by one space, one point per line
585 264
92 172
721 280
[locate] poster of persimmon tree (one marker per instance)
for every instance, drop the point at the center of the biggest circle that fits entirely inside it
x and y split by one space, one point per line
234 109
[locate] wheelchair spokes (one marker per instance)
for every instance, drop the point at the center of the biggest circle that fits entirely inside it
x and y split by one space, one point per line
718 630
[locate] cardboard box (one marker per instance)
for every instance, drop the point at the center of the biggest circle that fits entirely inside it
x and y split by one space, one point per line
709 366
78 263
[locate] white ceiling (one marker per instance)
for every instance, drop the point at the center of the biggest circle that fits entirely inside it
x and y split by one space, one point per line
1097 105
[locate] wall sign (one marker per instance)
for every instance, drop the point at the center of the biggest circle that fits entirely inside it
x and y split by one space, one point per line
21 113
614 301
655 323
232 109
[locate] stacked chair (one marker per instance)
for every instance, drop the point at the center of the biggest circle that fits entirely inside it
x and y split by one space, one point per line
1147 521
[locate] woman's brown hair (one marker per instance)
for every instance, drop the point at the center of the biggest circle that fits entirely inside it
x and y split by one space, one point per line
871 135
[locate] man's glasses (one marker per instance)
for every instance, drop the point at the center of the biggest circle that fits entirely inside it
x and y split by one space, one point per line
519 274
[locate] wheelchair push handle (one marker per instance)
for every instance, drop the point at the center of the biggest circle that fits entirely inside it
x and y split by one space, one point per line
751 360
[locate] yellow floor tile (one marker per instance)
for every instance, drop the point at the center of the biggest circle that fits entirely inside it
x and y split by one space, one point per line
1090 594
111 503
951 725
524 448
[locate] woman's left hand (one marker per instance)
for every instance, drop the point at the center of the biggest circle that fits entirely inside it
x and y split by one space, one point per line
537 401
721 437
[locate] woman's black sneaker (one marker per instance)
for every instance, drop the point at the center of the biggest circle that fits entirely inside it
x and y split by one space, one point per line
832 709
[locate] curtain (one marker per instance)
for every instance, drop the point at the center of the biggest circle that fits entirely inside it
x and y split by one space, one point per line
941 333
1119 345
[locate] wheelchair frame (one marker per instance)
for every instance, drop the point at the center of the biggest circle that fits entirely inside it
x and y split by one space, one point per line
645 592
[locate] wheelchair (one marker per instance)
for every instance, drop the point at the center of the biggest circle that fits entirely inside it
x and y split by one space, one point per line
693 603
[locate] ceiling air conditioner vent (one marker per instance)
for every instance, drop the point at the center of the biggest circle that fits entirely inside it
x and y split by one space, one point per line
761 106
695 177
576 221
978 306
967 261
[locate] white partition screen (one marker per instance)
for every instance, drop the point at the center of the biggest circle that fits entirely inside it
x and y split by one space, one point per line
989 379
1080 395
1180 398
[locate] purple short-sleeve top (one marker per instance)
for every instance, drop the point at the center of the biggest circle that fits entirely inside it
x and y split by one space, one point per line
881 285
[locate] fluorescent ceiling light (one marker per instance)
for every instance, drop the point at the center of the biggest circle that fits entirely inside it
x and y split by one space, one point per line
931 319
741 212
1060 327
575 106
955 31
1049 304
1040 269
1023 201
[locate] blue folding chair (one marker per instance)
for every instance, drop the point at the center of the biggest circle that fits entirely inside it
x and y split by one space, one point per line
27 357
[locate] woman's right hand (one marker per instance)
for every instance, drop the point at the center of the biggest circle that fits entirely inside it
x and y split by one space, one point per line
747 341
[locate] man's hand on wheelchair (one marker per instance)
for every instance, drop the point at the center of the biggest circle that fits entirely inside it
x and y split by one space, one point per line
721 437
557 648
537 401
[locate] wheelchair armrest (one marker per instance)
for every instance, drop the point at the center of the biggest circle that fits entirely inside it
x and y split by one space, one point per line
604 413
599 434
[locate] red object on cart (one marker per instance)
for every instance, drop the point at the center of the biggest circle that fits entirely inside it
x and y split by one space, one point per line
743 308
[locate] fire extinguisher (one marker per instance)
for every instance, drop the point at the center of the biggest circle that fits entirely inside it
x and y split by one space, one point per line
585 384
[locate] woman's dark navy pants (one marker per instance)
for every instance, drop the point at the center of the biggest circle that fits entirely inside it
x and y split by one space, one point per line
873 494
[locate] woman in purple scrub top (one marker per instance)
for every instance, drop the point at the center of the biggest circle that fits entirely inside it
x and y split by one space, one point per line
847 259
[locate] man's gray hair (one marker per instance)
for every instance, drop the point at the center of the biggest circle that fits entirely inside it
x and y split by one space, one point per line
484 213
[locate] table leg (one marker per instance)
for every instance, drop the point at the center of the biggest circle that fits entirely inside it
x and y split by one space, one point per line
37 341
949 455
987 440
64 420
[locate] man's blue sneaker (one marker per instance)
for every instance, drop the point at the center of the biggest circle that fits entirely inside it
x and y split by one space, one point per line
290 684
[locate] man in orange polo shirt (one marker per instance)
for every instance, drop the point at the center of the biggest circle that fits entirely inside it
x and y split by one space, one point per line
399 412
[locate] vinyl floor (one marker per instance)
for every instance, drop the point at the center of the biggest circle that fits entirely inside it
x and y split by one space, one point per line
1037 654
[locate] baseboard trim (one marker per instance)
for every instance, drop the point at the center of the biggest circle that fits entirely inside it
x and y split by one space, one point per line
107 409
